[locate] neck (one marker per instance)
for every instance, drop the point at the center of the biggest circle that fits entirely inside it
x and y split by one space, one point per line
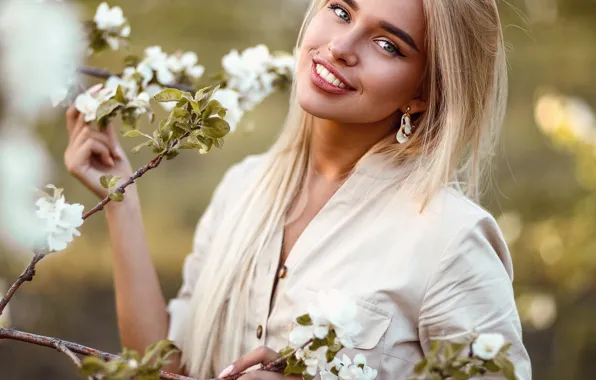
336 147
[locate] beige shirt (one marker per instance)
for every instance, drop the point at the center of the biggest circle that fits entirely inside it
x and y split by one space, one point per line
439 274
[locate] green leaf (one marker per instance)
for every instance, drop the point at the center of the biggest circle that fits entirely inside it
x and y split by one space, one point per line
117 196
285 351
137 148
157 349
104 180
491 366
172 154
215 127
420 366
114 181
106 108
168 95
120 95
304 320
295 369
195 107
134 133
190 145
92 365
213 108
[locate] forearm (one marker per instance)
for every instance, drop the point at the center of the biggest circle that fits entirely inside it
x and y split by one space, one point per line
140 305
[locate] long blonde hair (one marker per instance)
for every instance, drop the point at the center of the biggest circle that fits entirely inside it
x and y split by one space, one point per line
466 87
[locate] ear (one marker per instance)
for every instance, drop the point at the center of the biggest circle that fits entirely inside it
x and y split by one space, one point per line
417 105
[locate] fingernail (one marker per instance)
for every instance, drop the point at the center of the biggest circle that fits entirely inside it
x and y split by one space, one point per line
112 162
226 371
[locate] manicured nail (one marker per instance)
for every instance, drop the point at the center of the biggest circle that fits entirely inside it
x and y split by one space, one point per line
226 371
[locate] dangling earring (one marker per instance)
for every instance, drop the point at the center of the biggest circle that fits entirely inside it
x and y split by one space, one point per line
405 130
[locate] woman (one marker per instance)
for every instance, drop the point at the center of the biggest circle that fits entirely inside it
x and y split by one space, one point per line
392 117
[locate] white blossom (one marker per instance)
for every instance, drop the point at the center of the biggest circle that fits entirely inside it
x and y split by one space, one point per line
336 310
107 18
300 335
230 99
316 360
248 73
488 345
88 102
132 363
60 220
348 371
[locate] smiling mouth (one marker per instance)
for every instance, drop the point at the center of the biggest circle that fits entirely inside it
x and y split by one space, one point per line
329 77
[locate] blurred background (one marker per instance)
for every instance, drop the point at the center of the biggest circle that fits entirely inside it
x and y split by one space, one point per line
544 192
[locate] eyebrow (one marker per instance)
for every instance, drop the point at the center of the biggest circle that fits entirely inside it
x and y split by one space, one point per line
390 28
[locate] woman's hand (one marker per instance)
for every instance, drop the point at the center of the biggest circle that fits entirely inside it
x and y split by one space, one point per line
261 355
91 153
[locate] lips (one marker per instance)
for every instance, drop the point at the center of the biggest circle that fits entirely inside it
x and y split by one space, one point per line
329 79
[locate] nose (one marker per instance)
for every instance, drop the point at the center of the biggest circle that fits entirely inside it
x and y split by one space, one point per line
342 49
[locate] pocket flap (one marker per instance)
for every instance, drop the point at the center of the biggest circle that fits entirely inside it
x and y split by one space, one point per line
374 322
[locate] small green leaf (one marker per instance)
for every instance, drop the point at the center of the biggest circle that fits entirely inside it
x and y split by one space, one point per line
120 95
137 148
106 108
172 154
92 365
104 180
168 95
304 320
420 366
134 133
212 109
114 181
195 107
215 127
491 366
117 196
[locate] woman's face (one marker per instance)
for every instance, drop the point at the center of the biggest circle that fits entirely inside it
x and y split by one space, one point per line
372 52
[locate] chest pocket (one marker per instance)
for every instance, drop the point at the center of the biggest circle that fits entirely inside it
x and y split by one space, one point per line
370 340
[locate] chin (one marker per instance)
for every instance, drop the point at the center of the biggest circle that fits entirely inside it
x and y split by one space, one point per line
319 106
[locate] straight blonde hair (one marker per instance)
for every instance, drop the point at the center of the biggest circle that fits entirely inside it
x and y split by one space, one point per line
466 86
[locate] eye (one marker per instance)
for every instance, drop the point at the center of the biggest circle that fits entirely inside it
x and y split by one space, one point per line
390 48
340 12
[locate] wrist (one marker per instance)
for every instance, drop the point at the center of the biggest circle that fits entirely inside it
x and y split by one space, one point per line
131 202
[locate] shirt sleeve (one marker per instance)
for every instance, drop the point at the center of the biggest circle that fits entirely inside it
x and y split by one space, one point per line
179 307
471 290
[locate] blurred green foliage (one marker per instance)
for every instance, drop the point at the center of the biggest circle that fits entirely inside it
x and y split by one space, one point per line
540 196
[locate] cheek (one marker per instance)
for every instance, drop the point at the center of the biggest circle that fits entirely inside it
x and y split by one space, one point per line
388 87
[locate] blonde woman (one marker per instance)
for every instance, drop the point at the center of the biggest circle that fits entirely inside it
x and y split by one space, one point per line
369 190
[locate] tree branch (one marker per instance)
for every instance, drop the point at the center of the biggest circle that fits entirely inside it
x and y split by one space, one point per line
137 174
105 74
72 348
27 275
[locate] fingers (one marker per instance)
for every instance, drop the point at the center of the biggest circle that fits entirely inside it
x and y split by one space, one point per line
265 375
261 355
72 115
113 139
98 148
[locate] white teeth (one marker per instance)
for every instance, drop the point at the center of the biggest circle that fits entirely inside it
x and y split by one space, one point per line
329 77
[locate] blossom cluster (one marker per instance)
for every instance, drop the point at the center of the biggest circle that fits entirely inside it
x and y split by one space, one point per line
328 327
111 26
60 219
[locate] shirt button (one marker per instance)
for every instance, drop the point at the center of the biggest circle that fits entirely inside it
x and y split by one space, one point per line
259 332
283 271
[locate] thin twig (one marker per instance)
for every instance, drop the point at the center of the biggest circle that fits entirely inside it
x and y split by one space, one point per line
137 174
73 348
27 275
62 348
105 74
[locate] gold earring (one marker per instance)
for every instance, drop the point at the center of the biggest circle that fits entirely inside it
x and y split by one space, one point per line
405 130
